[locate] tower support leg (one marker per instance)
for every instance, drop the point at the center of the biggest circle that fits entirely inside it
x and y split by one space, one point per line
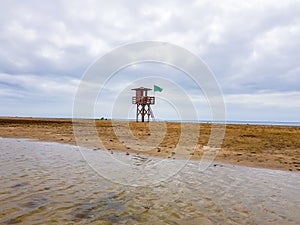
143 110
143 113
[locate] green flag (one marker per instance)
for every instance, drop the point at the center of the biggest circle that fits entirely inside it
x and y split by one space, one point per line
157 88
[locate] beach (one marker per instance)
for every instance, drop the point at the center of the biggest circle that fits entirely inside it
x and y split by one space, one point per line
49 176
51 183
262 146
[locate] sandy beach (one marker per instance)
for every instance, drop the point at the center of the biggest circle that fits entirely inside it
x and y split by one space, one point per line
264 146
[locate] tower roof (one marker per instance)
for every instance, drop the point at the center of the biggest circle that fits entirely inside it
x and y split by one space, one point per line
142 89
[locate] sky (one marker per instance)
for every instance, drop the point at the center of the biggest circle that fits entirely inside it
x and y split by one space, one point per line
251 47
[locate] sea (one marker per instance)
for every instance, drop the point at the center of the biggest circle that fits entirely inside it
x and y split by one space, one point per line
248 122
242 122
50 183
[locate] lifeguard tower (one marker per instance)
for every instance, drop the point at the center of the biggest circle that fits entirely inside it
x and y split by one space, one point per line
143 102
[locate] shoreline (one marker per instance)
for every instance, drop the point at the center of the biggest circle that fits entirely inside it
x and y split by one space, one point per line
52 183
122 153
261 146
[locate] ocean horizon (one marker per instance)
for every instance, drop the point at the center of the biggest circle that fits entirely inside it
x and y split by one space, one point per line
241 122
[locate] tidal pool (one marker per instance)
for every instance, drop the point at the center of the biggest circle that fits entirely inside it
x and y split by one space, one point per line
49 183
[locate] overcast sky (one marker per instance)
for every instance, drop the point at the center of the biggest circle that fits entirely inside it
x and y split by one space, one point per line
252 47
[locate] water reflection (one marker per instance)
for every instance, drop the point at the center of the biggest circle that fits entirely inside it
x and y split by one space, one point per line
46 183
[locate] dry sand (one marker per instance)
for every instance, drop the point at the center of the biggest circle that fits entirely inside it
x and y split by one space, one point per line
274 147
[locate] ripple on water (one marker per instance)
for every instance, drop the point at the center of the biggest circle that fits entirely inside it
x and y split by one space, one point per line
51 183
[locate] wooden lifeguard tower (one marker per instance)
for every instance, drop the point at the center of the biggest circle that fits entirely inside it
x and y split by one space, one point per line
143 102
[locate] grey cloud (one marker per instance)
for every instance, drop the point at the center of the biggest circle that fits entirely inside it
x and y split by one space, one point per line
32 86
250 46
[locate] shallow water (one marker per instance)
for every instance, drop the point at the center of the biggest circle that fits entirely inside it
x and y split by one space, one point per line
48 183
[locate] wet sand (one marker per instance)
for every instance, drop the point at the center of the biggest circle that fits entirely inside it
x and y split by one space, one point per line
264 146
50 183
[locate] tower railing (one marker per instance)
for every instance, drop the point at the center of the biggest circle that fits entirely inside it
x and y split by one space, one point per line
143 100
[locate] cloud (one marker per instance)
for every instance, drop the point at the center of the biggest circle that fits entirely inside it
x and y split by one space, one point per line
268 106
33 87
252 47
32 95
266 99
